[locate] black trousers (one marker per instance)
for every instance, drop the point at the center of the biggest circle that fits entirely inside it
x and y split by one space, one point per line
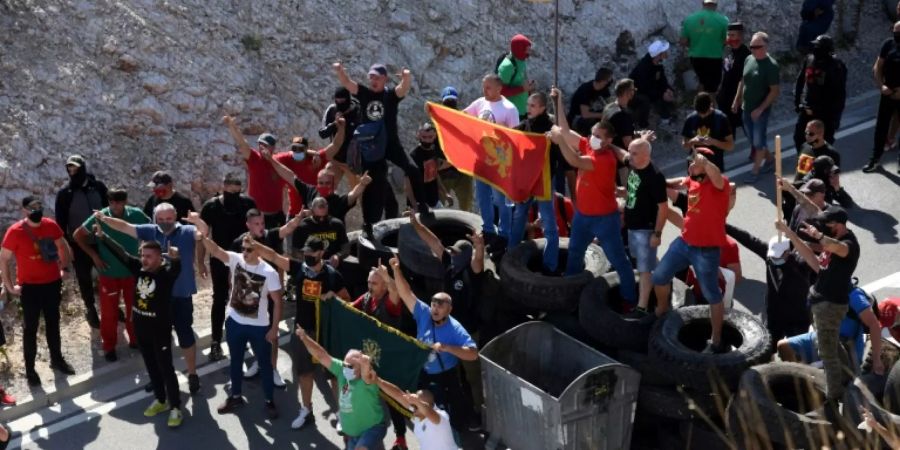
641 106
780 329
40 299
374 198
218 272
887 107
399 422
449 395
155 344
709 72
83 266
804 119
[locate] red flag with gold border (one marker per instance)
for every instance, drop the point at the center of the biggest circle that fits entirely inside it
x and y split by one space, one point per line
515 162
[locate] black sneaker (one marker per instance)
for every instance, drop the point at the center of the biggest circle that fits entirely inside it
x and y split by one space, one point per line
215 352
92 319
230 404
193 383
111 356
637 313
62 366
714 348
148 387
475 422
33 378
872 166
271 410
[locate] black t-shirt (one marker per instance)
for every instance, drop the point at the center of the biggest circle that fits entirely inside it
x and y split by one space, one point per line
227 221
542 124
715 126
181 203
463 289
331 230
622 122
587 95
338 205
269 239
380 106
646 190
808 155
309 289
833 283
890 53
732 74
427 161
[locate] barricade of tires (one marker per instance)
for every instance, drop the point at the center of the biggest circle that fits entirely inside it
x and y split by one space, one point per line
688 399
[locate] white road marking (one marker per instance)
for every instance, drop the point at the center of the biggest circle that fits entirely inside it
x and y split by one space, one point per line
889 281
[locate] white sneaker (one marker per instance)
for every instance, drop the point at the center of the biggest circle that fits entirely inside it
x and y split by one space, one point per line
252 371
302 418
337 424
279 382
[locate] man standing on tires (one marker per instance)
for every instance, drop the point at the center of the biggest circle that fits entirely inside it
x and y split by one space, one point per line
596 210
830 294
702 236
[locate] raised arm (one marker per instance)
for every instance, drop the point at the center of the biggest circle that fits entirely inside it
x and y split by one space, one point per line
431 240
829 244
394 392
214 250
358 190
712 171
242 147
800 245
580 162
344 79
291 225
752 243
280 261
478 258
405 83
117 224
335 146
286 174
382 271
132 262
571 137
314 348
403 290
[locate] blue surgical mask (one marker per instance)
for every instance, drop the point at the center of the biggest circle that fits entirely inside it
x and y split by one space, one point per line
299 156
349 373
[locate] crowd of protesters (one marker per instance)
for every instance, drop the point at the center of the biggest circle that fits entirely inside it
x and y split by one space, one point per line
608 191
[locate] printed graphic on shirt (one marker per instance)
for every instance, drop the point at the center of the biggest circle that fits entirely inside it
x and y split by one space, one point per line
824 260
345 402
804 164
693 202
375 110
146 290
312 290
487 115
634 183
329 236
430 169
246 292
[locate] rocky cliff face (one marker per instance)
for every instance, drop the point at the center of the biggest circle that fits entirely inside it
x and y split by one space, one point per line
140 85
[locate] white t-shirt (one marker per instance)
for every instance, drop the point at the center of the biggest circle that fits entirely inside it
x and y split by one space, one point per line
248 301
434 437
502 112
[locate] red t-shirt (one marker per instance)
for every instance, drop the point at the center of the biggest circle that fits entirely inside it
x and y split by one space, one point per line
391 308
263 184
704 223
31 268
305 172
596 189
562 223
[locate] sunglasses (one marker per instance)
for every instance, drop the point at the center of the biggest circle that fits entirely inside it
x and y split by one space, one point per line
757 47
439 302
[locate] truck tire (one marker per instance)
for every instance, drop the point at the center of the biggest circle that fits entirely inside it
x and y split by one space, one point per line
675 404
857 396
641 363
449 225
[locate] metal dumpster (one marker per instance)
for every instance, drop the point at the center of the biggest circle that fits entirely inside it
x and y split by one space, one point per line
544 390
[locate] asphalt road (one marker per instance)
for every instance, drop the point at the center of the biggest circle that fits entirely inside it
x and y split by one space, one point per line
120 423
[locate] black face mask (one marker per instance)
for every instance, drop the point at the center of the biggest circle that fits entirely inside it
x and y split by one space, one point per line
343 106
897 37
311 261
35 215
821 54
320 219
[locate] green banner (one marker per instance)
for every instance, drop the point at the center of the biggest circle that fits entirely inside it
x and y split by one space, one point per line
396 357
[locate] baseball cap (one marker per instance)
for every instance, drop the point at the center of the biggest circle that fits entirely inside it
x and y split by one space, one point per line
736 26
710 2
75 160
299 144
232 178
823 42
777 247
824 164
378 69
160 177
449 92
657 48
832 214
813 186
268 139
30 199
314 244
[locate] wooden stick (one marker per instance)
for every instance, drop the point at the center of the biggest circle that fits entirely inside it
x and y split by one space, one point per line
556 47
779 214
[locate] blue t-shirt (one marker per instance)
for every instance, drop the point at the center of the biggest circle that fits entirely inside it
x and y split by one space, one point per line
450 333
852 329
183 238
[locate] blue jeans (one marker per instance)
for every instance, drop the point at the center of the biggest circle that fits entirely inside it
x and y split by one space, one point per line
608 230
756 130
487 197
237 336
643 254
551 232
370 439
704 260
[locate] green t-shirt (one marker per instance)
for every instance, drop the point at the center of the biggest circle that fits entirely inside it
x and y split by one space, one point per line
505 71
705 31
360 405
759 75
114 268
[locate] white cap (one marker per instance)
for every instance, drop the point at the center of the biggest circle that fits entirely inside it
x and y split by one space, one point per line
710 2
658 47
777 248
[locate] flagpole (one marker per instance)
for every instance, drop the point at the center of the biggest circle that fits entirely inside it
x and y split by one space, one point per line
556 47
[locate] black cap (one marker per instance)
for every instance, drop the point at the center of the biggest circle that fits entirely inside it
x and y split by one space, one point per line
268 139
736 26
378 69
823 165
832 214
299 144
31 199
813 186
824 42
160 177
314 244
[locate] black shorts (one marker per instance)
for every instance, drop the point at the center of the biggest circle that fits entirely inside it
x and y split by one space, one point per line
709 72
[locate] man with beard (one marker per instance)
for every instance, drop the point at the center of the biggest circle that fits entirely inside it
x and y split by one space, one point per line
37 245
821 90
226 213
83 195
321 224
115 279
426 156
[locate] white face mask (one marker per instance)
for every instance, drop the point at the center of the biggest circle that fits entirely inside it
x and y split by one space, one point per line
349 373
596 143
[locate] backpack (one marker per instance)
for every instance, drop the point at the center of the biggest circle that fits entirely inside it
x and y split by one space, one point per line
500 61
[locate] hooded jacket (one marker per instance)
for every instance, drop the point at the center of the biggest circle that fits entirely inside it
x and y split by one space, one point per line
94 190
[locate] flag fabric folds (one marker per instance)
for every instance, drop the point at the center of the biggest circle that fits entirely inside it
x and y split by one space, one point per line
515 162
396 357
